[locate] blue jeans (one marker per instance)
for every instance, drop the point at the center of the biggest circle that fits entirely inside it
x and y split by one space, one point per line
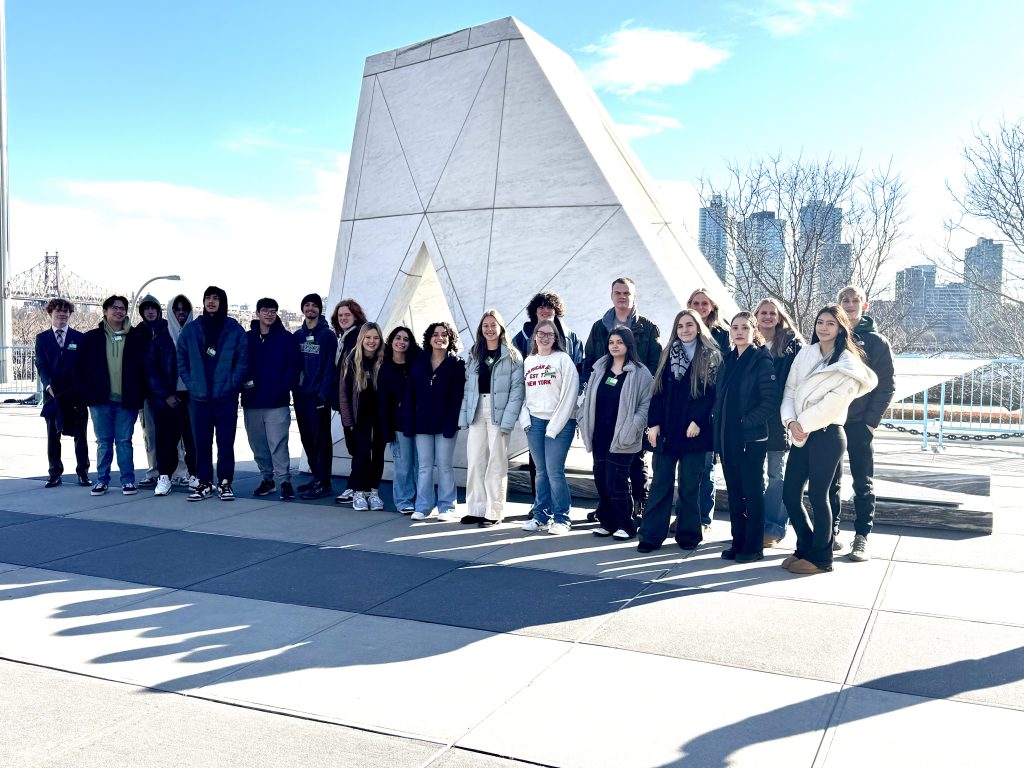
114 425
775 516
553 497
431 451
706 491
403 484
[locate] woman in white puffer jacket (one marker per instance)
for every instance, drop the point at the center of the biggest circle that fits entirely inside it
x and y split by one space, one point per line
826 377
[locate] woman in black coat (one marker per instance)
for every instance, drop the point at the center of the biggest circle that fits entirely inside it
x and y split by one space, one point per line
679 431
746 397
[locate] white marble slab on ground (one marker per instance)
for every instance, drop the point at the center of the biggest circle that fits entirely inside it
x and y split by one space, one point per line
880 728
395 676
996 551
963 593
173 640
607 708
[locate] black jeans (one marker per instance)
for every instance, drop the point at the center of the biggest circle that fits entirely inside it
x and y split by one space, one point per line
173 425
744 482
638 476
218 417
860 447
814 465
669 469
368 445
611 476
53 434
315 434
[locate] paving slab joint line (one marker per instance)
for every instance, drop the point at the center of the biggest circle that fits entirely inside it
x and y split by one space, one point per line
158 532
448 747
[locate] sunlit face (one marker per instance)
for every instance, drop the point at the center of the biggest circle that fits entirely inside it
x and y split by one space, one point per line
702 304
687 329
545 336
114 314
345 317
400 343
616 346
59 317
180 313
854 307
490 329
767 317
371 342
310 310
623 297
545 313
439 339
826 327
267 316
150 313
211 303
742 332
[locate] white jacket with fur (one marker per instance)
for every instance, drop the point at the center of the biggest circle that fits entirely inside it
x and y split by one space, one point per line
817 396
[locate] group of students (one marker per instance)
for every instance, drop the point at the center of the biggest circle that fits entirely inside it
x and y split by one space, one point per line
776 411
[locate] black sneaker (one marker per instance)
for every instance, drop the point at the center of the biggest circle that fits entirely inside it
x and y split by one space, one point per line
225 492
265 488
129 489
306 486
53 482
147 482
204 491
287 492
99 489
84 480
317 490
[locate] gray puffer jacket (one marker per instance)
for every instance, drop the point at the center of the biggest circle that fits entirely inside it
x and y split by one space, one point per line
634 402
507 390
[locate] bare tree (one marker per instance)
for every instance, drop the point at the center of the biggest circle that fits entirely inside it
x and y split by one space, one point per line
26 323
800 229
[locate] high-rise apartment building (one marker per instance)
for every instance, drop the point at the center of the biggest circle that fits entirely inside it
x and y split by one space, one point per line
761 257
821 235
713 239
983 273
913 287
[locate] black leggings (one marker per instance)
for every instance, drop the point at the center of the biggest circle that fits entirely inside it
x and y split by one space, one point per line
813 465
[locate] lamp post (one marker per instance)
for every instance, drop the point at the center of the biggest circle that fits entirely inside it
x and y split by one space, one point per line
138 293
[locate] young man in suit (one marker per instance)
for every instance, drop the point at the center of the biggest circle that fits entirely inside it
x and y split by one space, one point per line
65 413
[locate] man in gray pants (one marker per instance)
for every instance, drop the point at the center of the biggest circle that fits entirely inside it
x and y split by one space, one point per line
274 365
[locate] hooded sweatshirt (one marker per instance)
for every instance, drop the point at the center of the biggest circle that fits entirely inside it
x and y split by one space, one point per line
174 327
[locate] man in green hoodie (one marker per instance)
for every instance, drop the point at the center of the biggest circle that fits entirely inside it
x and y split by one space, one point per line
110 380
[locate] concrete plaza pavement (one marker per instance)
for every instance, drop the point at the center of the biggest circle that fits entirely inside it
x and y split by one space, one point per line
153 631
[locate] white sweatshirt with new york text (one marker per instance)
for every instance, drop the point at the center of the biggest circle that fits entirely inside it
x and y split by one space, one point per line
552 384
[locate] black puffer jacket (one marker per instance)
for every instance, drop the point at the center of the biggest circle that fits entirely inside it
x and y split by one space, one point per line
433 398
392 381
871 407
673 408
161 365
760 396
778 435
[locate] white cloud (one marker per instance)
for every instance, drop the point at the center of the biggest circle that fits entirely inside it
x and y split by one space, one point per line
637 59
785 18
119 233
648 125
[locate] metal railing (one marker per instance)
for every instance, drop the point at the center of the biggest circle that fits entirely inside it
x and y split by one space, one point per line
21 380
985 404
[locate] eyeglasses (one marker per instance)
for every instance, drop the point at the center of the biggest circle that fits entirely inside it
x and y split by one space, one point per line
271 310
545 335
118 308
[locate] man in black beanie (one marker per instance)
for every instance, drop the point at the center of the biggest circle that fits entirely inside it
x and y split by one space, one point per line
213 363
313 398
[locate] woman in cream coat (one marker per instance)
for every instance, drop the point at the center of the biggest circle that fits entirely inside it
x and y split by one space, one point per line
826 377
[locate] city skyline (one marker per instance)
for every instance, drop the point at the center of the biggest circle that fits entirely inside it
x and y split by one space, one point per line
180 145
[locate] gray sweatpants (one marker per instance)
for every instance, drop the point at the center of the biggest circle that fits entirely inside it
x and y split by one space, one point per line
267 429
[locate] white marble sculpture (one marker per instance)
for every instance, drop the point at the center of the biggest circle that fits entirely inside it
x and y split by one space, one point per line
484 169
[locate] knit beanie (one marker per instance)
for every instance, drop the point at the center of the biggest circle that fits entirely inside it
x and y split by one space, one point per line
315 298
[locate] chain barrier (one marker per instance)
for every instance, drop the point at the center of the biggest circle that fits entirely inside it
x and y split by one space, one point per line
951 436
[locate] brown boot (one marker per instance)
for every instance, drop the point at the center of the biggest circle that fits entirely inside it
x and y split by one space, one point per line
770 541
805 567
788 562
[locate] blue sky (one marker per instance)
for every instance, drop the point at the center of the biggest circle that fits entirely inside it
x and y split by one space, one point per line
211 138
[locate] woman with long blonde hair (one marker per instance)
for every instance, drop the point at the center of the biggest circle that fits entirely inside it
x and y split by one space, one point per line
360 413
679 431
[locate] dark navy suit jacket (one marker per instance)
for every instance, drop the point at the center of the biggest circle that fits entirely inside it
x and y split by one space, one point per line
56 366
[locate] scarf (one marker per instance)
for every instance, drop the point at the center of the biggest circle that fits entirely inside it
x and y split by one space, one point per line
679 357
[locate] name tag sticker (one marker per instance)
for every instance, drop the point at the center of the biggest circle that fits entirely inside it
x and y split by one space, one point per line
211 351
489 361
72 345
611 381
250 384
309 339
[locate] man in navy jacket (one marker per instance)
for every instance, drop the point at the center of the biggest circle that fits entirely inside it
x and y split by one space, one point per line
64 411
213 362
274 362
313 396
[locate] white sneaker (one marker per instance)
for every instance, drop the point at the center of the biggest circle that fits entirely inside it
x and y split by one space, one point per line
560 529
407 510
424 515
621 534
345 497
193 482
449 516
535 525
359 503
602 532
163 486
376 505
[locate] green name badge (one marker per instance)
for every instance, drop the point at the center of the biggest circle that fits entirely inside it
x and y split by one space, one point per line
611 381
